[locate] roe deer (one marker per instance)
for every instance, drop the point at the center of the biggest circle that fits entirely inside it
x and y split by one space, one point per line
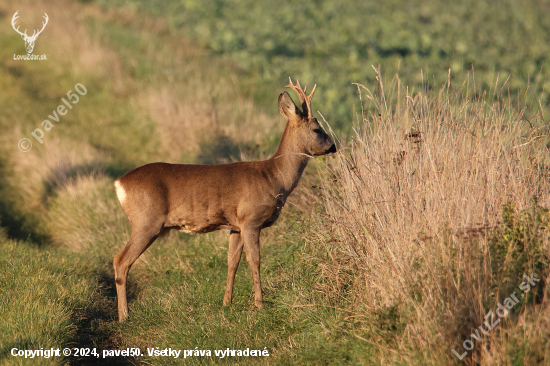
242 197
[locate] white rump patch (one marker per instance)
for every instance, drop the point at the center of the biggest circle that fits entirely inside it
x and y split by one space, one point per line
120 193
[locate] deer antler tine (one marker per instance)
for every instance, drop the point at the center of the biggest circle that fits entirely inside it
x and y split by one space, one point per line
312 91
43 24
297 89
304 100
290 84
13 21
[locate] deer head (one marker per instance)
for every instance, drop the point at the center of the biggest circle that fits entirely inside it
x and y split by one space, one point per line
307 134
29 41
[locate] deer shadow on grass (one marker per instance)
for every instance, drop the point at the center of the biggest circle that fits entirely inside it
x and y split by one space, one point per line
97 324
96 327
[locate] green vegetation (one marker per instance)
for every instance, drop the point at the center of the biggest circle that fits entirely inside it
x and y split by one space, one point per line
390 252
333 43
40 293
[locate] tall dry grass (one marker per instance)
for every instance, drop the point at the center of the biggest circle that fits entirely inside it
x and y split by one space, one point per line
209 120
433 214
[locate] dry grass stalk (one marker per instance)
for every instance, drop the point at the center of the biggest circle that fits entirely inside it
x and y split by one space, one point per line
411 211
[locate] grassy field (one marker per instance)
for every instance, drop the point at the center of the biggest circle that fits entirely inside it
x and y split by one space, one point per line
333 43
390 252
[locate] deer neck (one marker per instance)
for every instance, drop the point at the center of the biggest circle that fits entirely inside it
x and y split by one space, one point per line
290 161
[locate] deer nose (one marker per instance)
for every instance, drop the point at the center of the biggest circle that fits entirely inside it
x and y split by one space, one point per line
332 149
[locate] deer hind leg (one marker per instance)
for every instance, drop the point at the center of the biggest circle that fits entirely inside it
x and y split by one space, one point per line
138 243
233 259
251 240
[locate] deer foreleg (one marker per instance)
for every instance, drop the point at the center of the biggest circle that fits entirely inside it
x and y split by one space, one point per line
234 254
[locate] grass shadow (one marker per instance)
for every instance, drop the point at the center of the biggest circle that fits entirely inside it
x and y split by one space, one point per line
23 225
64 173
19 225
220 150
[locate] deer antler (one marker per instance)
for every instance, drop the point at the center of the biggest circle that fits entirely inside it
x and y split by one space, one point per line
24 34
13 24
35 35
304 100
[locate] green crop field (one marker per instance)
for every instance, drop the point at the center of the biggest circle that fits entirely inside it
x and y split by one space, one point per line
403 248
333 43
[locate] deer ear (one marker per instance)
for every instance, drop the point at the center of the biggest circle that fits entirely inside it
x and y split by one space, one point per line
287 107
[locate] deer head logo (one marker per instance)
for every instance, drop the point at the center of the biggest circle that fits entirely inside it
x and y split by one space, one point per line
29 40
